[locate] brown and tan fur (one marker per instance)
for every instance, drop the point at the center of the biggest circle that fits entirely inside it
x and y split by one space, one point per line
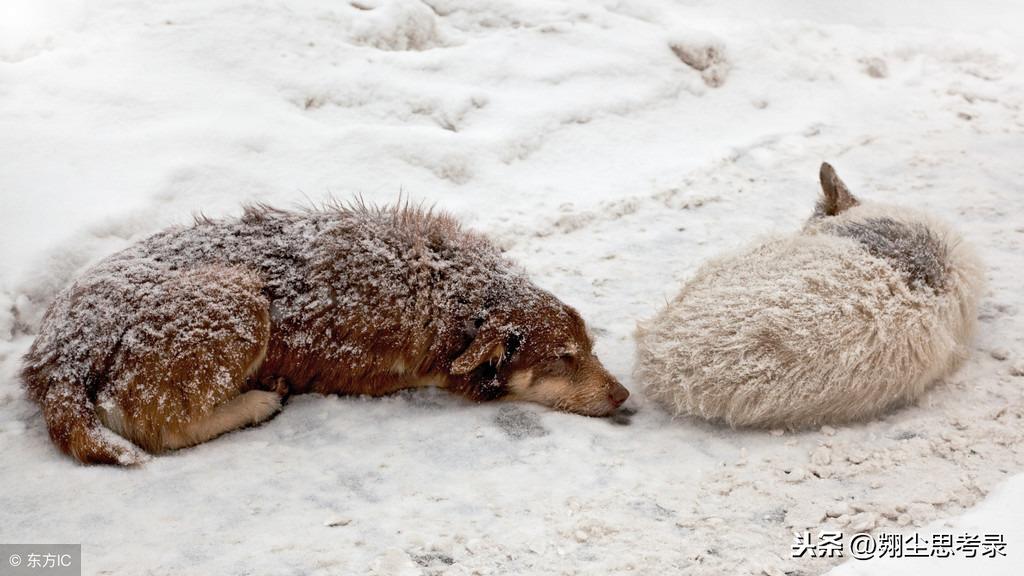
200 330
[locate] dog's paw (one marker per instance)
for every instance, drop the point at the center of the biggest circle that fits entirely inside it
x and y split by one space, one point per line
260 405
133 457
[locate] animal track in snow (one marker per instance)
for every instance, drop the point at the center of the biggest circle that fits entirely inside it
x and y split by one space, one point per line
397 26
519 423
706 57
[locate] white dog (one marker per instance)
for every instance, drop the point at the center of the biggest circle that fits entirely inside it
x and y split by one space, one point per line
860 312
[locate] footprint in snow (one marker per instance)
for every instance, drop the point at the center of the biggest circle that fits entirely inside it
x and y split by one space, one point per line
519 423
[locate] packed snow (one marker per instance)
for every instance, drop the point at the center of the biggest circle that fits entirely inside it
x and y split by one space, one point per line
610 148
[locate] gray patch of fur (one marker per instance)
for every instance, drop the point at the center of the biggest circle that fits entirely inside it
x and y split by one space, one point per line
911 249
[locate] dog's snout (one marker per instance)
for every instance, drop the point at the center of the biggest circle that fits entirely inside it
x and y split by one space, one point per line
618 394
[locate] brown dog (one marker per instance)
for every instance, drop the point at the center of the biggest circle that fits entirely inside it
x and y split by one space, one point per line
197 331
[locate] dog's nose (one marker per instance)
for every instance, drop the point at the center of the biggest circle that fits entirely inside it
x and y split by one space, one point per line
618 394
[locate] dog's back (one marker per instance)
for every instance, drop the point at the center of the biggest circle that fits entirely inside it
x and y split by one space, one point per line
353 294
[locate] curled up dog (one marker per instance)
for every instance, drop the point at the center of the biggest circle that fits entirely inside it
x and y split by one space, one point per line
860 312
200 330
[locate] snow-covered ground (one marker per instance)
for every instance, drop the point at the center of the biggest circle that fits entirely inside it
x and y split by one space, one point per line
611 147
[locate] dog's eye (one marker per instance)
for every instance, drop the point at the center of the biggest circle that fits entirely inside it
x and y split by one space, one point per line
567 360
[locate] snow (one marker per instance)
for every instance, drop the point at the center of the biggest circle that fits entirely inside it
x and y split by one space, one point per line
578 138
1001 514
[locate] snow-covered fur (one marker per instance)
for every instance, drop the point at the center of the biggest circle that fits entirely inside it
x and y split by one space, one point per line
199 330
860 312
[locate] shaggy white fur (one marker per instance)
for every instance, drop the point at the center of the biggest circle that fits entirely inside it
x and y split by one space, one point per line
860 312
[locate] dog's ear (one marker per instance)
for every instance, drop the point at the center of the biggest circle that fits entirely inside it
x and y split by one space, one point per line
837 195
487 347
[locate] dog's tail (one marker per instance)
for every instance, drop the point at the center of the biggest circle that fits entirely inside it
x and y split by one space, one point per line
71 418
